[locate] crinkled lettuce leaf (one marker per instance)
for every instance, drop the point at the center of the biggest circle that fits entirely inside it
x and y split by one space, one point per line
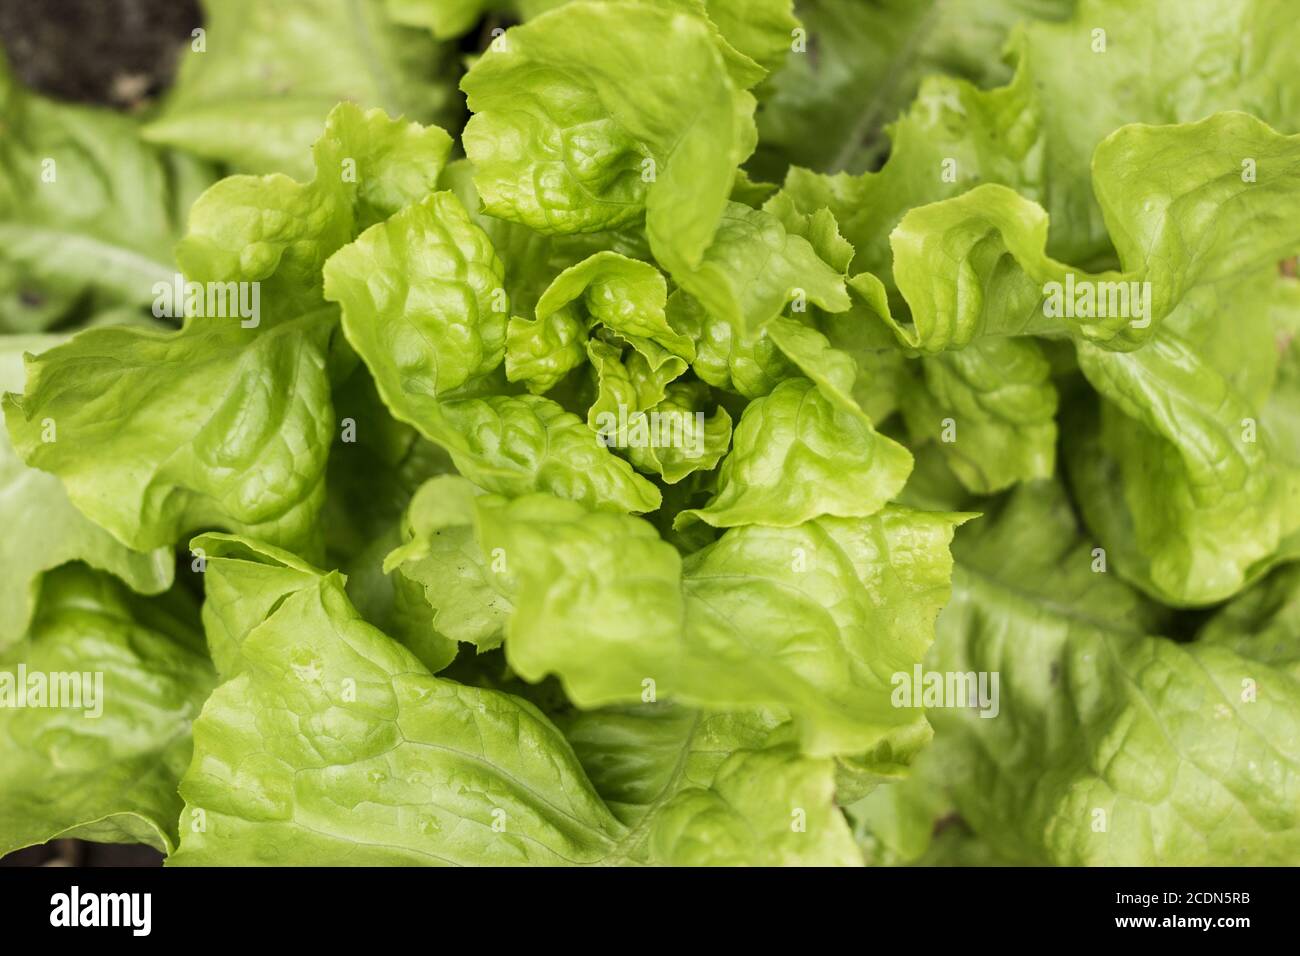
625 298
359 756
157 434
572 136
1128 61
420 295
1262 622
44 529
991 409
442 577
754 268
533 259
812 618
279 232
1111 746
797 456
228 422
708 441
1179 470
454 18
1181 216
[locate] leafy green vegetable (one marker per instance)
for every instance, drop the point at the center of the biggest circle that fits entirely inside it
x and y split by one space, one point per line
253 91
1142 750
968 291
716 630
766 434
389 765
278 232
451 18
228 421
99 757
44 530
1261 622
861 64
753 269
570 136
432 319
440 569
622 297
451 336
1119 57
154 434
1001 403
88 211
797 456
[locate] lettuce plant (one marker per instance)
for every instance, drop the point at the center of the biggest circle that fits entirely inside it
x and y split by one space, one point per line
859 432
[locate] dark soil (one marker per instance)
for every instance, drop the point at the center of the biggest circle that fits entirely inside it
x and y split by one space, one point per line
77 853
119 53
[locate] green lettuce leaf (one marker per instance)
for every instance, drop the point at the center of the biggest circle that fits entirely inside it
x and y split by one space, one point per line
1205 505
454 18
796 457
155 434
1110 747
248 579
1181 216
418 290
446 18
762 30
607 290
44 530
777 793
442 576
279 232
748 365
754 268
88 212
864 592
811 619
419 295
758 29
648 414
228 422
848 368
709 441
639 756
1261 623
533 259
360 756
375 466
514 446
623 295
629 383
1206 492
711 789
255 97
1126 57
540 352
573 136
818 226
106 769
828 109
992 408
